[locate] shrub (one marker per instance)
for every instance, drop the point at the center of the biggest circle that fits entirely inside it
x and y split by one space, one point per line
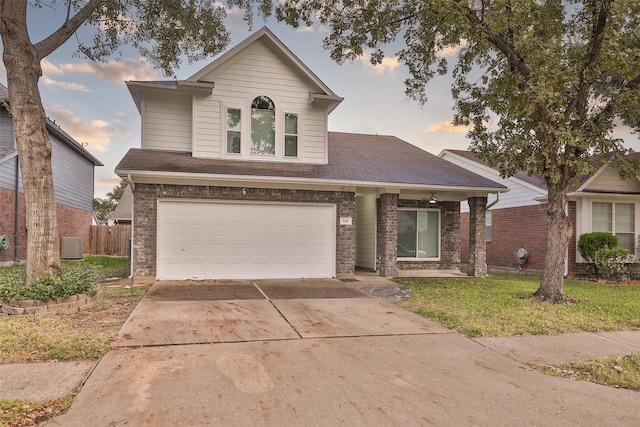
611 262
75 278
589 243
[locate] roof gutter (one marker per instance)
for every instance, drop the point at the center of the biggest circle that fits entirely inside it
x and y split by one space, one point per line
242 179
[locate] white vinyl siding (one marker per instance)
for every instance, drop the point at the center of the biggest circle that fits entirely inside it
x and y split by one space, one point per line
260 72
167 122
366 231
208 124
226 240
520 193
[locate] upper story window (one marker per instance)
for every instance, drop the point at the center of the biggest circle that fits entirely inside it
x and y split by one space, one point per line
617 219
234 130
291 135
259 127
263 126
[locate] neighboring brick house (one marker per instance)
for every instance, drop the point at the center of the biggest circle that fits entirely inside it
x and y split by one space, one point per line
600 202
239 178
73 176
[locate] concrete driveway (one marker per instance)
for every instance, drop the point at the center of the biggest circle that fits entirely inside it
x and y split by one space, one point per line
317 353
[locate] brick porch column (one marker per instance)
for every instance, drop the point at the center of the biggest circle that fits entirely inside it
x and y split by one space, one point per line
388 243
477 237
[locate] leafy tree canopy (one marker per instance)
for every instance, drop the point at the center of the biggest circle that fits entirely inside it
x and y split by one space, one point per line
541 82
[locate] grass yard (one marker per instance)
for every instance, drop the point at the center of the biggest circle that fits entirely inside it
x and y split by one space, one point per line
502 305
82 335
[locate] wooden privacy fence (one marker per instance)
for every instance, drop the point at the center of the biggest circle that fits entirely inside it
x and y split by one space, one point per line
110 240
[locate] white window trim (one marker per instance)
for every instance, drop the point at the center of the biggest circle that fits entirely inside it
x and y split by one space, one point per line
416 259
488 214
284 134
245 131
613 218
225 129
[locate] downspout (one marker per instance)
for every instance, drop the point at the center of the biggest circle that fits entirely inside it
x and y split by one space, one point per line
132 228
17 216
490 205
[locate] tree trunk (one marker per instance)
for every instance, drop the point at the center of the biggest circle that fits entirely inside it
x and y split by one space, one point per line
34 146
559 235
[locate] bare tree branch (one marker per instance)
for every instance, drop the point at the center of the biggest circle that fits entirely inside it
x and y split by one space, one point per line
501 42
56 39
579 101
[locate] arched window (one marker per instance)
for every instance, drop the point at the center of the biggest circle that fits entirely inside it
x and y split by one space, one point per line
263 126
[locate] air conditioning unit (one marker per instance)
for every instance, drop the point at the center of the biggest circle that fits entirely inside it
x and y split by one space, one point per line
71 247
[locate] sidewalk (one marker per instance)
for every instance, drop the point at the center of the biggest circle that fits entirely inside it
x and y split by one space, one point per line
48 380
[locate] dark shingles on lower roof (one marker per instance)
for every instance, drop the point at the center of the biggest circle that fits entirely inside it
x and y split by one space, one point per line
352 157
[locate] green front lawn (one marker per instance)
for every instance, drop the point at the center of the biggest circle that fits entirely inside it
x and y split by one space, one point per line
502 305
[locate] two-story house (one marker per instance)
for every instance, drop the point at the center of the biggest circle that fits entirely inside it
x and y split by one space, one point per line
73 180
238 177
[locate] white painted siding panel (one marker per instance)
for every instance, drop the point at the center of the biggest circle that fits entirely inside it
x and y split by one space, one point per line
260 72
167 122
519 194
204 240
207 122
366 231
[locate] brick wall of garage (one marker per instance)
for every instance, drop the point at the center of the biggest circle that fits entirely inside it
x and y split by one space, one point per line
449 235
146 198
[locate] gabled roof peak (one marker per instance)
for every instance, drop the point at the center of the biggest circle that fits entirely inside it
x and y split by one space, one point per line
267 37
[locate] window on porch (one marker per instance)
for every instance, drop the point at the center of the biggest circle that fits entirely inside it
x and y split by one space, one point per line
418 234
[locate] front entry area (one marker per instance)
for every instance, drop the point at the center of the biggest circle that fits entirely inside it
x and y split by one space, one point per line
237 240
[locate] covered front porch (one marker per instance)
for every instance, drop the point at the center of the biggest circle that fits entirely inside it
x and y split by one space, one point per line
406 233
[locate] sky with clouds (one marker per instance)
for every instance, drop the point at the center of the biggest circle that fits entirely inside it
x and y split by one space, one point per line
91 102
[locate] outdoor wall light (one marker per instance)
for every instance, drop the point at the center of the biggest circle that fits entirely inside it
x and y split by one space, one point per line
433 199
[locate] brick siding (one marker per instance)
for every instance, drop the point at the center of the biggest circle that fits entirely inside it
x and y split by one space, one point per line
477 237
146 198
387 235
514 228
71 223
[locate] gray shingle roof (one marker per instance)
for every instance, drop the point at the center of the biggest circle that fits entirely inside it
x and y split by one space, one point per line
536 180
352 158
124 208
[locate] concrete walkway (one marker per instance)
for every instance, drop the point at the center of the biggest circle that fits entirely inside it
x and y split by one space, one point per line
321 353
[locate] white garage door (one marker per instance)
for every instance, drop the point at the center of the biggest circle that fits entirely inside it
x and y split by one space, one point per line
208 240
